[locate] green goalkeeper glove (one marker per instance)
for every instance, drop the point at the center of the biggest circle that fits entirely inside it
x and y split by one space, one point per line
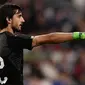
78 35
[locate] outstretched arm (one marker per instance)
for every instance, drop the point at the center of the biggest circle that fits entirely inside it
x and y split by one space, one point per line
57 37
52 38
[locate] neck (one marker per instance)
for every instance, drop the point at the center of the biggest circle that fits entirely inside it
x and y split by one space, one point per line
8 29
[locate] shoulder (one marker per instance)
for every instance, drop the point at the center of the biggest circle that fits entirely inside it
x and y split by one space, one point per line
23 36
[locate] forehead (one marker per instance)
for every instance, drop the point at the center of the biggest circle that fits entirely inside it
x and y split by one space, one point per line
18 12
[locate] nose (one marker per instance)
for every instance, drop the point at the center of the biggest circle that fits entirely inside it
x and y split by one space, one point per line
22 19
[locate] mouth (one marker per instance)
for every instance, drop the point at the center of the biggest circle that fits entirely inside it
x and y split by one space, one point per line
20 25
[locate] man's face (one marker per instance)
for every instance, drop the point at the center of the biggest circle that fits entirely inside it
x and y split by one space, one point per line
17 21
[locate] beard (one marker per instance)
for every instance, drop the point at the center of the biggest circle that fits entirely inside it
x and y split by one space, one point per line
16 30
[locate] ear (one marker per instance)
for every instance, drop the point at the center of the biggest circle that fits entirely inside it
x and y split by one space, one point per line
8 20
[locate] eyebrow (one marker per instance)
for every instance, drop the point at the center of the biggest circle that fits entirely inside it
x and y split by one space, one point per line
19 13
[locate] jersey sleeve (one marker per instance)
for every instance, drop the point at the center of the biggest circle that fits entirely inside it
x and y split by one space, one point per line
24 41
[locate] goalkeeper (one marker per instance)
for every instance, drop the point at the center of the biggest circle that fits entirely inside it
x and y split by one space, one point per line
12 44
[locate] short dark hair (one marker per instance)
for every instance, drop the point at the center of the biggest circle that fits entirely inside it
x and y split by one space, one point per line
7 10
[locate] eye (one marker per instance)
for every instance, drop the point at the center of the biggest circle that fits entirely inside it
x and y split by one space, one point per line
19 16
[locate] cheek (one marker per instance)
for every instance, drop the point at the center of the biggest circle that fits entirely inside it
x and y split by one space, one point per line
16 22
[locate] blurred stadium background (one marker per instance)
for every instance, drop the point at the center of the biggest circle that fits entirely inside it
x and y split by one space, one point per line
59 64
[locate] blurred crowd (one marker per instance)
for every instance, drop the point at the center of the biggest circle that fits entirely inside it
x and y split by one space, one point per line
54 65
59 64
